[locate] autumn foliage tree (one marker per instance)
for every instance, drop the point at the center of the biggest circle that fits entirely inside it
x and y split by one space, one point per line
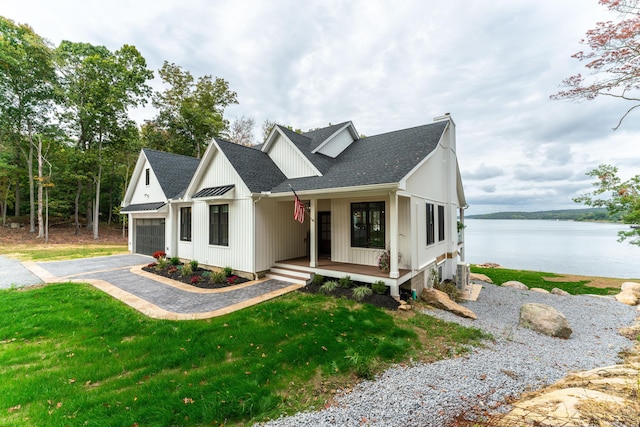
612 59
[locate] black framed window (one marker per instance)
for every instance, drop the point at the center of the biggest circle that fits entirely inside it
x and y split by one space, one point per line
431 221
367 225
440 223
219 225
185 224
147 176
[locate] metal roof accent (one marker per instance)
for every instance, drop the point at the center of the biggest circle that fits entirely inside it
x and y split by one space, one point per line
143 207
214 191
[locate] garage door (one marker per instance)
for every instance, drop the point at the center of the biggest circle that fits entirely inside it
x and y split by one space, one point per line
149 235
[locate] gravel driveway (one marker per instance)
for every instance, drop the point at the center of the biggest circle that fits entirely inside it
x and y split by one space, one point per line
14 274
518 360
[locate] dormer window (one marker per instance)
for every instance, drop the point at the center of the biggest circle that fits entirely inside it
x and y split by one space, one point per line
147 176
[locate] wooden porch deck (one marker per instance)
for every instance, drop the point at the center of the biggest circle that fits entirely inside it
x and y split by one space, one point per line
341 267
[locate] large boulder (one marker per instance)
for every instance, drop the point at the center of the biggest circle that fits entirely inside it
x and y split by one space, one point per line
632 286
541 290
480 277
627 296
544 319
515 284
442 301
558 291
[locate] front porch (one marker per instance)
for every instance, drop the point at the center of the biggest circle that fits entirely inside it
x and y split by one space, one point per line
357 272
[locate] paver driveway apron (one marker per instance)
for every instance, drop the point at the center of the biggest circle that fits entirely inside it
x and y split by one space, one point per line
121 276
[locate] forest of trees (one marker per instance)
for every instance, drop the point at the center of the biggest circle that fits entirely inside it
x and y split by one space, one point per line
589 214
67 142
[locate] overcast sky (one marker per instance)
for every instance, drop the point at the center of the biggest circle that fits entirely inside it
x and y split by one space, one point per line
388 65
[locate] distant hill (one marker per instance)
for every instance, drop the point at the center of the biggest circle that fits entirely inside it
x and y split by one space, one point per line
589 214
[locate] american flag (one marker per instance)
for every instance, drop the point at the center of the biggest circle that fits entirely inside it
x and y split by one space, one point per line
298 209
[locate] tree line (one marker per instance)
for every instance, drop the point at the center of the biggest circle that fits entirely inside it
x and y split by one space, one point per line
67 142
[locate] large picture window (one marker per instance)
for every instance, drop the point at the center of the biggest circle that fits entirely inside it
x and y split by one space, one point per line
431 224
185 224
219 225
367 225
440 223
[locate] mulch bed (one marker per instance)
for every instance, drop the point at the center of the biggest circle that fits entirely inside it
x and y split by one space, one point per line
383 301
203 282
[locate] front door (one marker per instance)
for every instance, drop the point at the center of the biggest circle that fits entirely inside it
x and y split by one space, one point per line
324 234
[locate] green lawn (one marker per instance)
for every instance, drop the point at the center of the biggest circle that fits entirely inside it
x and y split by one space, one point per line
71 355
537 279
45 252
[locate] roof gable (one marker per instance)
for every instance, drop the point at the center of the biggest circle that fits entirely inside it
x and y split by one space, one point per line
379 159
173 171
333 140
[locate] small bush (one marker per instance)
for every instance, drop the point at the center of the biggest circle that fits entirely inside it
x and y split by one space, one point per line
449 288
218 277
172 269
186 270
328 287
318 279
379 287
206 274
162 264
194 264
195 279
232 279
228 271
175 260
345 282
159 254
152 265
361 292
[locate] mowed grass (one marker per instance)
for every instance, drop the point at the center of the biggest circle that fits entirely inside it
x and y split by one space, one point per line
71 355
45 252
548 281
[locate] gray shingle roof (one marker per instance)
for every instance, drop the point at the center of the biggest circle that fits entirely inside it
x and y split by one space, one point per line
306 144
173 171
256 168
379 159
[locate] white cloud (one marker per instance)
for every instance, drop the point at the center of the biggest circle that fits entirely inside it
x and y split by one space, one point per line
387 65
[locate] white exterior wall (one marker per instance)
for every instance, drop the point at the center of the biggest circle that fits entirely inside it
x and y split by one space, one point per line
277 235
147 193
337 144
290 161
341 250
435 182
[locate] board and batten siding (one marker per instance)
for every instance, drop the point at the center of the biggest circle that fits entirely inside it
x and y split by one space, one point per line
337 144
289 160
278 235
341 249
143 193
238 255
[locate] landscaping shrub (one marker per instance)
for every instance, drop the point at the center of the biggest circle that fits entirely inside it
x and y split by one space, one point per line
228 271
379 287
159 254
448 287
328 287
194 264
186 270
318 279
218 277
361 292
175 260
345 282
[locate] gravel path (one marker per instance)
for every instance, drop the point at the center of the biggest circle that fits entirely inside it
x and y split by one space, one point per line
14 274
518 360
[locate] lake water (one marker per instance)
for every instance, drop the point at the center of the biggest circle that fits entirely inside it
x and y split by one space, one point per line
584 248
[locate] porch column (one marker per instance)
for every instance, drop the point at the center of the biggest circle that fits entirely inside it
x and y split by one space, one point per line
393 235
313 238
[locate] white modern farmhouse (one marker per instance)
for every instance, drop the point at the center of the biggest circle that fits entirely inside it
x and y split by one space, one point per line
324 202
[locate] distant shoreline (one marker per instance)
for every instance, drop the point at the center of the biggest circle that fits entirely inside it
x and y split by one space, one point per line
590 214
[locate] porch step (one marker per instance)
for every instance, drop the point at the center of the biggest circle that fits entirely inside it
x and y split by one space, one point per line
289 275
